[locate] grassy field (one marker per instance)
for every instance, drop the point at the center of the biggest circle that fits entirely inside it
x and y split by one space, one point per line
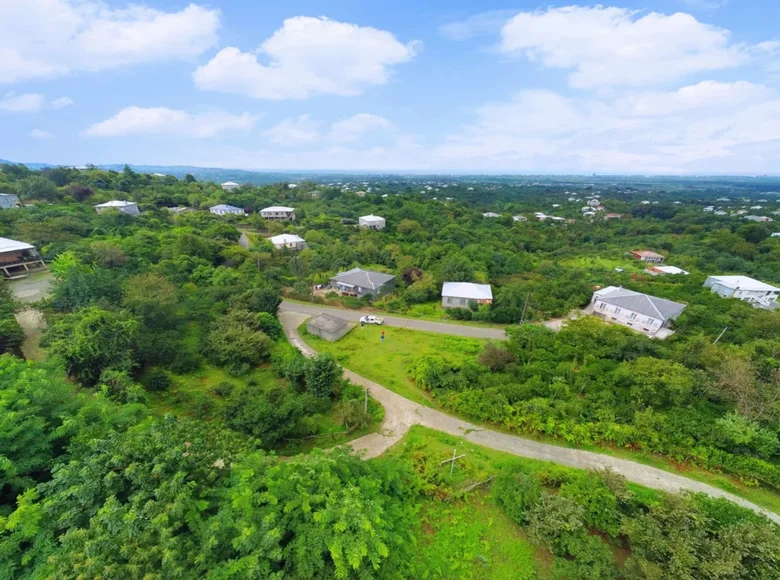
601 263
361 350
468 536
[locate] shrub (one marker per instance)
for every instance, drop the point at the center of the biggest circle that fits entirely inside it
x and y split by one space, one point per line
322 375
597 500
554 520
459 313
157 380
223 389
516 491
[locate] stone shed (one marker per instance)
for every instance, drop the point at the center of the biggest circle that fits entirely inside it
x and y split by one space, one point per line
330 328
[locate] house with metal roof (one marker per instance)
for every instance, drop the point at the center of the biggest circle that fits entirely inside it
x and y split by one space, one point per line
18 258
359 282
9 201
663 270
757 293
327 327
278 213
373 222
289 241
126 207
461 294
225 209
230 185
647 256
640 312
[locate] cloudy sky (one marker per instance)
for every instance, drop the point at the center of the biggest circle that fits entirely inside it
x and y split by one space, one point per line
660 86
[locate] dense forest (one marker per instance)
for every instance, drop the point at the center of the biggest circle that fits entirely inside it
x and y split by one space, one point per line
160 435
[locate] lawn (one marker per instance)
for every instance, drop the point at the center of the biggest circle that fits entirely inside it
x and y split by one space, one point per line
601 263
469 536
387 362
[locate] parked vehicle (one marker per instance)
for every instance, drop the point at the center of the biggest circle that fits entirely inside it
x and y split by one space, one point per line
372 320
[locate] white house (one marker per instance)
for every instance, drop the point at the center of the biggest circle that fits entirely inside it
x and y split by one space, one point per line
279 213
519 218
128 207
373 222
662 270
460 294
289 241
230 185
758 218
9 200
775 235
757 293
640 312
491 214
224 209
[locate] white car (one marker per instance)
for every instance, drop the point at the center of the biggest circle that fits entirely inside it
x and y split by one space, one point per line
371 320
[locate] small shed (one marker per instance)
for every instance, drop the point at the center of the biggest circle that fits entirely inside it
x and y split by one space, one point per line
328 327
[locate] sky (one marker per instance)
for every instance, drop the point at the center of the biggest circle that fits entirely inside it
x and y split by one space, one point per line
653 87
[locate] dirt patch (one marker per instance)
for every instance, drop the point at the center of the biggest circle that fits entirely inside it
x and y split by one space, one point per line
33 323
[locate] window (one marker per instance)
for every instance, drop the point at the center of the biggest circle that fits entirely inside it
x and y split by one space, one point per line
633 316
617 310
463 302
602 306
449 299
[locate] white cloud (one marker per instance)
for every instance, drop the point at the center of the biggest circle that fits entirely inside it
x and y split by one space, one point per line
26 103
163 121
46 38
41 134
305 57
477 25
355 127
608 46
62 102
707 127
293 132
304 130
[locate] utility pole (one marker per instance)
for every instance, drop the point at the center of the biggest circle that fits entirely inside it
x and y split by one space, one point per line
365 404
722 332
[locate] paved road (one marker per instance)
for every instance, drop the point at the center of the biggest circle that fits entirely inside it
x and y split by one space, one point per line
414 324
401 414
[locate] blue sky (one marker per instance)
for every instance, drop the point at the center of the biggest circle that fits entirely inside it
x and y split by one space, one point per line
671 86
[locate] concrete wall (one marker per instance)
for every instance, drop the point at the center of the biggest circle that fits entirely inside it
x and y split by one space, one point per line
639 322
452 302
329 336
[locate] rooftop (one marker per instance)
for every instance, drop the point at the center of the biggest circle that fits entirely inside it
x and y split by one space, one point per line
744 283
640 303
230 183
7 245
286 239
668 269
327 323
467 290
363 278
224 206
116 203
646 254
278 208
372 217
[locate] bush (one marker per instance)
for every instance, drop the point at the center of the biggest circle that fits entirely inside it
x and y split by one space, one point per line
516 491
352 414
554 520
459 313
269 324
598 501
157 380
184 362
223 389
322 375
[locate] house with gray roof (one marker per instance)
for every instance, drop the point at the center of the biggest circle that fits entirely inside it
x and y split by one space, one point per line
9 201
327 327
225 209
640 312
359 282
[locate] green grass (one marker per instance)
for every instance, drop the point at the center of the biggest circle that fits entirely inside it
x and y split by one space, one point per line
469 536
602 263
362 351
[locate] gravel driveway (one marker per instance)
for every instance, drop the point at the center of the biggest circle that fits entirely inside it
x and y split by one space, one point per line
401 414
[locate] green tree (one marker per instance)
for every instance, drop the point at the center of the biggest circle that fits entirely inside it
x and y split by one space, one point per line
11 334
37 187
322 375
92 340
153 299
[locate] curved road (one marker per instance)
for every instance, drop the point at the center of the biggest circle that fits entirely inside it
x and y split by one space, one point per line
401 414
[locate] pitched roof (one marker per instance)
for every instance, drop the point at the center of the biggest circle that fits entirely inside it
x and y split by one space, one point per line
277 208
744 283
327 323
363 278
286 239
226 207
467 290
372 218
116 203
646 254
668 269
230 183
640 303
7 245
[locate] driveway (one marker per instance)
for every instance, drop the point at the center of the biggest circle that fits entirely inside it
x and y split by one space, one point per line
401 414
412 323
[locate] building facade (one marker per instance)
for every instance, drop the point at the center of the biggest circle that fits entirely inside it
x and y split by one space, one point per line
359 282
373 222
278 213
224 209
18 258
126 207
744 288
640 312
289 241
462 294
